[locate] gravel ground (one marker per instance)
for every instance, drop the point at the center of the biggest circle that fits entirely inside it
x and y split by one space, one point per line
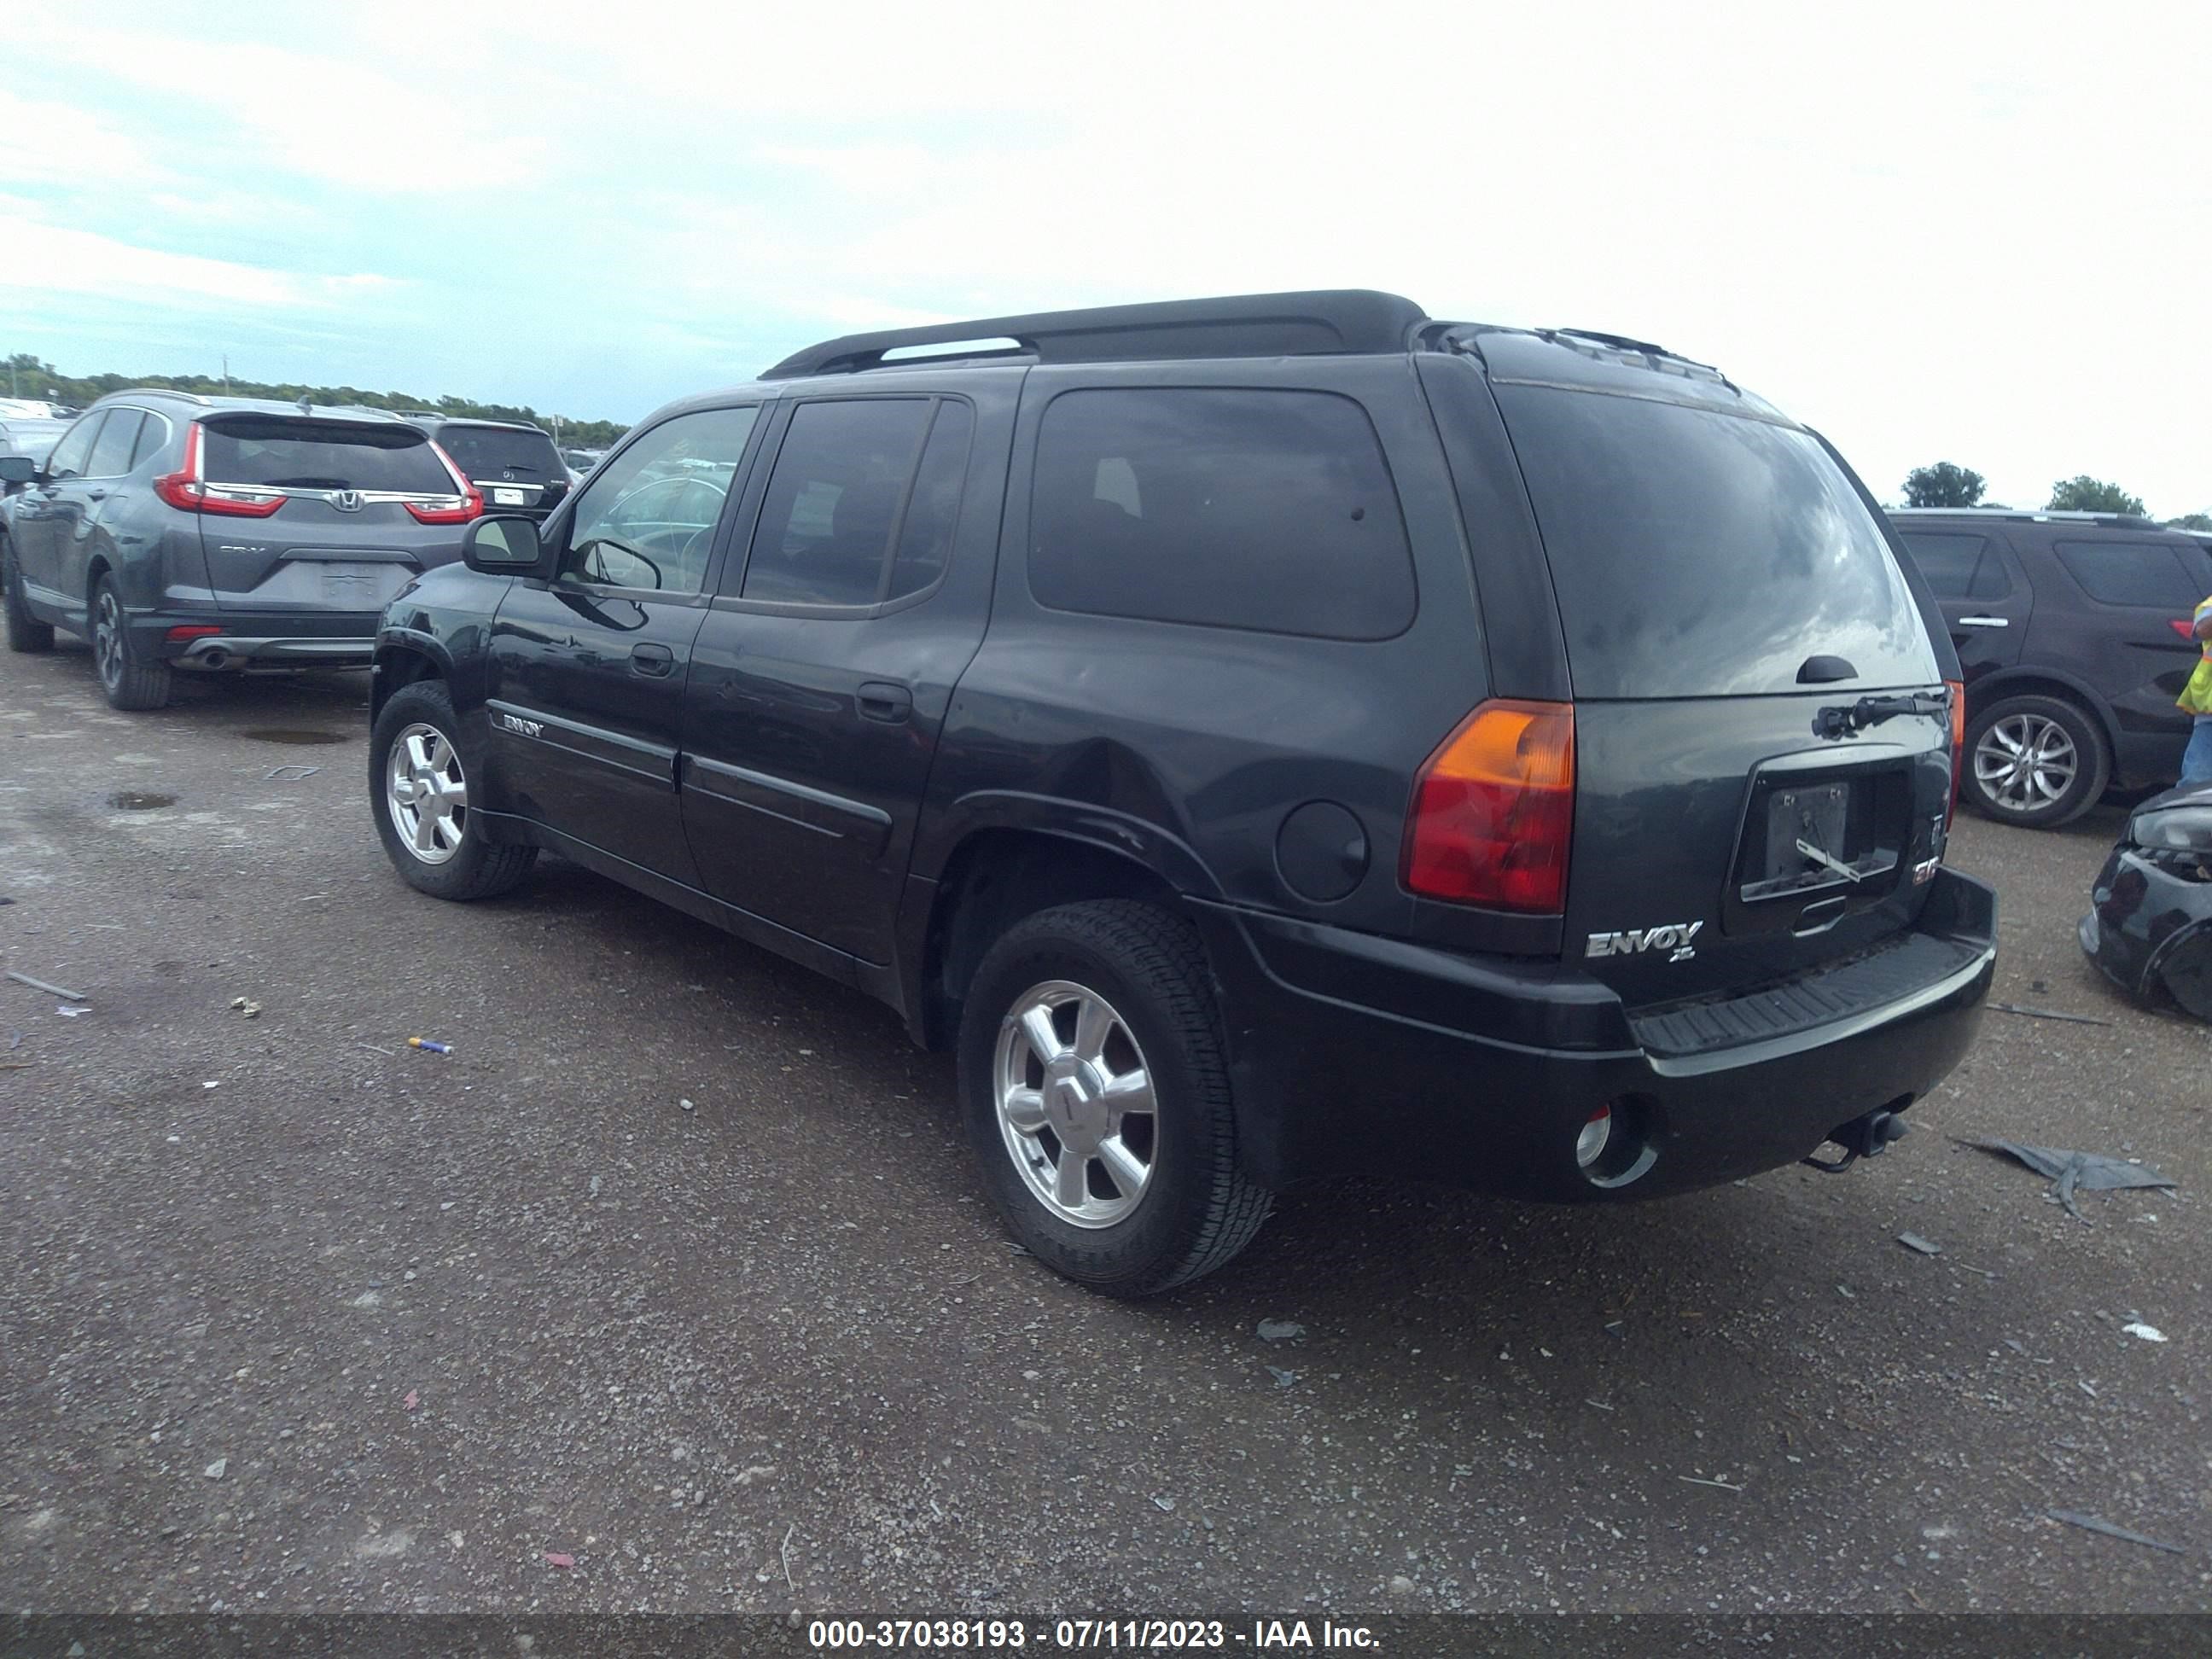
299 1320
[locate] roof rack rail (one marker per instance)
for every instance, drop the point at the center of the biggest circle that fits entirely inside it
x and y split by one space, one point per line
2038 514
156 392
1321 320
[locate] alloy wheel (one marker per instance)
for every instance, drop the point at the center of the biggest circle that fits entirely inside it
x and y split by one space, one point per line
107 638
1075 1104
2025 763
426 793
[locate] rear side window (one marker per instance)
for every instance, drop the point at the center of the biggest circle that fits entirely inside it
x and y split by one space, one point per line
1697 553
321 455
2143 574
1268 511
111 454
75 449
1958 567
151 438
490 451
861 506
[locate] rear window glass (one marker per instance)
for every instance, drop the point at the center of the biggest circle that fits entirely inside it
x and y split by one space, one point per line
1958 567
1272 511
318 455
2143 573
111 454
1697 553
487 451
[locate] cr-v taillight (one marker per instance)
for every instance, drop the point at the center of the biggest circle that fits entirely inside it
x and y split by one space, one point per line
1494 808
187 491
1957 692
466 504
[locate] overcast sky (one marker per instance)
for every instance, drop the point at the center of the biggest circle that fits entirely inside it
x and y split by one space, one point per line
1936 232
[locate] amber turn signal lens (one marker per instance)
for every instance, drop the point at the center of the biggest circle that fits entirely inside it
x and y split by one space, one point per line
1493 809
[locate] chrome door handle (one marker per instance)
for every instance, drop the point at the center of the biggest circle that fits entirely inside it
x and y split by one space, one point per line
1984 622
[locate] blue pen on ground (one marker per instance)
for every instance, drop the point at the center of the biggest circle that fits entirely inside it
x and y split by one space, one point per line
429 1046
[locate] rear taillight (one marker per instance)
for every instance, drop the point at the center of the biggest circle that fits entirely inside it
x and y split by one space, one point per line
1957 694
185 631
187 491
1494 808
459 509
2185 628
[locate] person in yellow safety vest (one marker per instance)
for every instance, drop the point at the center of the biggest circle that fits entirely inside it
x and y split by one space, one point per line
2197 698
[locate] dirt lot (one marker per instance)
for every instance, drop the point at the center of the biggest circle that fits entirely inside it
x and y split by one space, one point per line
297 1319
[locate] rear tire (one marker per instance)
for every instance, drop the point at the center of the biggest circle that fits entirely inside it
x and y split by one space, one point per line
1120 991
130 683
25 632
418 785
2036 762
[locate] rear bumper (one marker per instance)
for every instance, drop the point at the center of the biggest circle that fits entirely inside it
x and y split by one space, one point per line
1357 1055
274 640
2142 912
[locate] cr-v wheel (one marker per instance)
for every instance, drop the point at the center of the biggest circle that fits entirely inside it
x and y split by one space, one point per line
419 790
1096 1094
25 631
2035 761
129 683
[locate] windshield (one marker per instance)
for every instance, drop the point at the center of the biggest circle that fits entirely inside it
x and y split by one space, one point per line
497 453
321 455
1700 553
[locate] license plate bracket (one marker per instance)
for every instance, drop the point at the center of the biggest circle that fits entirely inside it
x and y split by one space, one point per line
1817 812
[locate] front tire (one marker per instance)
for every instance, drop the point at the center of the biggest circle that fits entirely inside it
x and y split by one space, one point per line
1096 1089
2036 762
130 683
25 632
419 790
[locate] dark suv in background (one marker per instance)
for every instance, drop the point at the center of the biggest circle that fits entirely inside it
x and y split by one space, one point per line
515 468
2073 631
1268 738
179 531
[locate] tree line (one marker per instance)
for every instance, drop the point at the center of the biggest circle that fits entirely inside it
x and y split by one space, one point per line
30 377
1945 484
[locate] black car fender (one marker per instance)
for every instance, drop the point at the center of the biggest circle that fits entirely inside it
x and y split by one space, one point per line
2023 681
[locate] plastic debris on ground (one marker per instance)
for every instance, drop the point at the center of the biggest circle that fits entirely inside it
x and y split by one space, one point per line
2093 1524
556 1558
2048 1013
2147 1332
1918 1245
251 1010
68 1012
413 1401
1283 1379
1280 1330
428 1047
2072 1172
51 990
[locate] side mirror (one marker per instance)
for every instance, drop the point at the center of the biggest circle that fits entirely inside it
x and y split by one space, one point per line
17 469
505 545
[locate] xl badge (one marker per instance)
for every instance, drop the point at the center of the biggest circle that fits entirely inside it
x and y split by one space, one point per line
1674 939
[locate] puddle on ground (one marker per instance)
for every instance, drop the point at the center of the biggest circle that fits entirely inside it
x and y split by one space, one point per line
298 736
138 800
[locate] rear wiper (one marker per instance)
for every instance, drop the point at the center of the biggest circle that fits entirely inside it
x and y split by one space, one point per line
1841 720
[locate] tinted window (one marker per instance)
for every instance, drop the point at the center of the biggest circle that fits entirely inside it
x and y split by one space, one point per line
833 500
2133 573
111 455
1700 553
270 449
933 506
646 518
1958 567
484 452
75 449
151 437
1265 510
